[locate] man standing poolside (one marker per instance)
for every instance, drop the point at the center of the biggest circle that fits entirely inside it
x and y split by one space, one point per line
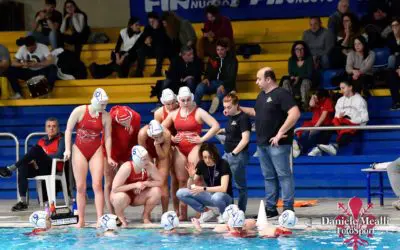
276 114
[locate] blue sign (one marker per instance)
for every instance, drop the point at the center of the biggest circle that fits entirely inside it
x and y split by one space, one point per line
193 10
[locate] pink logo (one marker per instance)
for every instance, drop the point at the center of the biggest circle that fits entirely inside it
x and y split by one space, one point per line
354 222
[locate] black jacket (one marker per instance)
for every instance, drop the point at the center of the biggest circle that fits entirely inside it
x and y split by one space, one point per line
178 69
159 36
228 71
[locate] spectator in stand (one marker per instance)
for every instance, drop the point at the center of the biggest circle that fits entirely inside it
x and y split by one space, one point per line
215 28
37 161
300 66
130 40
322 108
393 74
179 30
32 59
157 44
377 25
345 39
185 70
351 109
4 59
74 28
393 171
393 42
320 41
335 20
359 66
236 146
46 28
220 76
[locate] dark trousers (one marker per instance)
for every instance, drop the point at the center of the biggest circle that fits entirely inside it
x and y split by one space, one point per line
157 52
309 139
104 70
363 84
14 74
393 81
75 40
27 170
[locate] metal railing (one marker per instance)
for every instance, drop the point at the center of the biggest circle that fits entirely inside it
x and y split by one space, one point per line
10 135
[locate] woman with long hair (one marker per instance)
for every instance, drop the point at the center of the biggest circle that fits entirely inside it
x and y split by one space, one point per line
74 28
188 120
300 66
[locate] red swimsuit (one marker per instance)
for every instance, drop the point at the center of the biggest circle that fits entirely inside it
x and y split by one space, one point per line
133 178
187 127
88 134
171 128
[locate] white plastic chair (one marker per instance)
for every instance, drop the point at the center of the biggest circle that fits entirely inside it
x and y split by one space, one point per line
51 184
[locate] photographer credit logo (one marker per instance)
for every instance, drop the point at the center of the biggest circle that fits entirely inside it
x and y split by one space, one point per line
355 223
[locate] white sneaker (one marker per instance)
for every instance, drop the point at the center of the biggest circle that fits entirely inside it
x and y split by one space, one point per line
214 105
396 204
315 152
329 149
207 216
17 96
220 220
296 149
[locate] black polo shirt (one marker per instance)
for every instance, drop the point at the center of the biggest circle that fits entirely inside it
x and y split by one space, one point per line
271 113
212 175
234 128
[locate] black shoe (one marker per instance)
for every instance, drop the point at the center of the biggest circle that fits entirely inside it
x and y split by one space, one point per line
395 106
272 213
5 173
20 206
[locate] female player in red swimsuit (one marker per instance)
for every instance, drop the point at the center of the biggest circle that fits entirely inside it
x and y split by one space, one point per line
170 103
188 121
136 183
157 142
90 121
125 126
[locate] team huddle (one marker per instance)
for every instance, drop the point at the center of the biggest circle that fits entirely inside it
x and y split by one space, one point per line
136 162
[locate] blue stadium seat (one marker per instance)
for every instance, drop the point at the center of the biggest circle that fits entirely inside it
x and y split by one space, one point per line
381 57
326 78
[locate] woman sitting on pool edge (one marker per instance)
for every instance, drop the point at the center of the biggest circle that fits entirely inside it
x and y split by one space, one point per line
215 173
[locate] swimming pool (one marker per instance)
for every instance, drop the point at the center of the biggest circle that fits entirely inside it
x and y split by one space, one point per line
14 238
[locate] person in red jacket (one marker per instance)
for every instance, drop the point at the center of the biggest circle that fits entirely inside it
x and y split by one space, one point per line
125 126
37 161
215 28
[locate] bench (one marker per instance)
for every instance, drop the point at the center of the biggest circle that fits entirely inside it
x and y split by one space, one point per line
380 193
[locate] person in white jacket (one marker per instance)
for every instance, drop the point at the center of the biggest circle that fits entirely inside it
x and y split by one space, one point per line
351 109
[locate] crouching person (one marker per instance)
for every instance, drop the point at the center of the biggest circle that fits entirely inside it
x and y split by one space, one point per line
136 183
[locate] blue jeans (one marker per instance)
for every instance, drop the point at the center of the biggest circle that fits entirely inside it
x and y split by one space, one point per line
204 199
275 167
310 139
48 40
238 167
203 89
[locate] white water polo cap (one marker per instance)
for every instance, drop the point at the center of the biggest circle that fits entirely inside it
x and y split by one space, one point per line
99 98
288 219
185 92
167 96
38 219
169 220
237 220
229 212
108 222
155 128
138 154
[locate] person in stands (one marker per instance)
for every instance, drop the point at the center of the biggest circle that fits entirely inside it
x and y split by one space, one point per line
37 161
74 28
5 61
351 109
216 27
46 28
32 59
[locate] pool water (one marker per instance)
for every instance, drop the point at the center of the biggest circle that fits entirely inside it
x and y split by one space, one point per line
14 238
